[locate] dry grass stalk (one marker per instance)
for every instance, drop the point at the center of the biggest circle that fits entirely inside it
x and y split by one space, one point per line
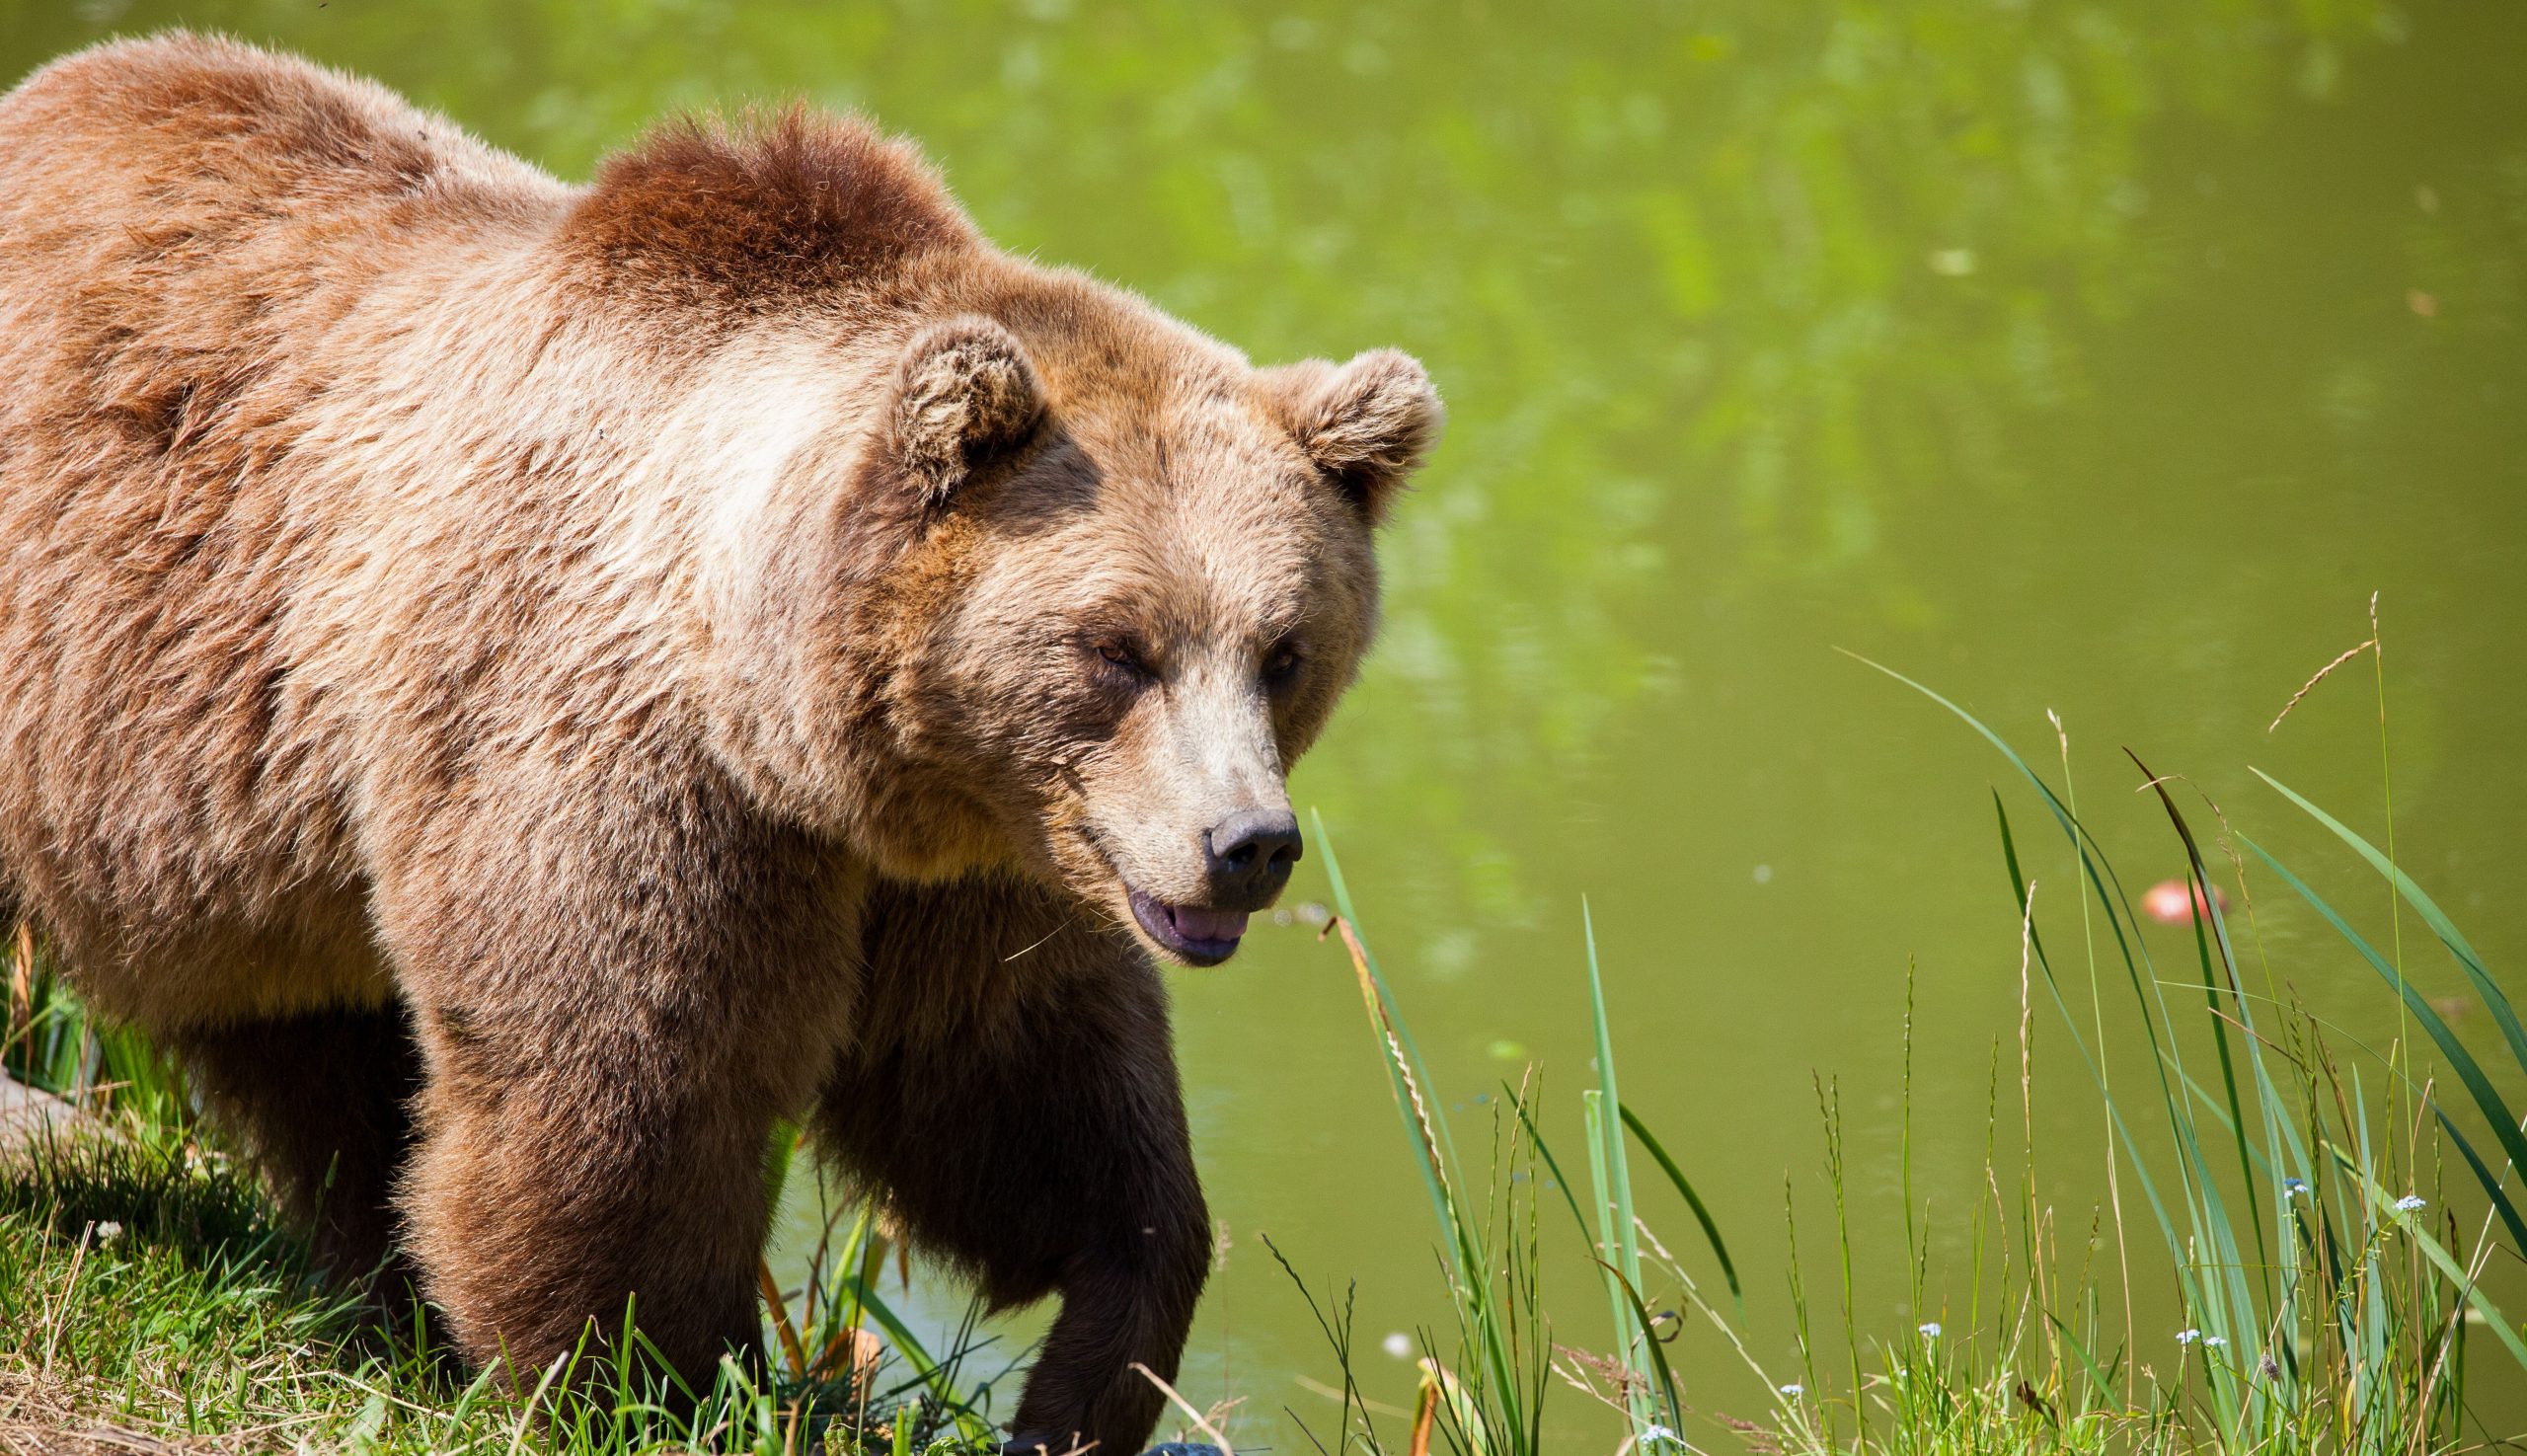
1426 1417
22 984
39 1416
2327 670
1201 1419
790 1349
1395 1052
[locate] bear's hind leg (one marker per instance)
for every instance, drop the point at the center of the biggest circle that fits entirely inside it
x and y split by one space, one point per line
322 1105
1014 1093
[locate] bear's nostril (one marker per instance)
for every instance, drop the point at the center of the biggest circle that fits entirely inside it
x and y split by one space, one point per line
1250 855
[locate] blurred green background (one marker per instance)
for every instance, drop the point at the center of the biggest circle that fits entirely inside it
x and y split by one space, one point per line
2100 359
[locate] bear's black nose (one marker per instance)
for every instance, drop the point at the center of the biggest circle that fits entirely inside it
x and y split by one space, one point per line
1252 852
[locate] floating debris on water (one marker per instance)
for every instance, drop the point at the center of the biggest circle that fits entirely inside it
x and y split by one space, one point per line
2173 901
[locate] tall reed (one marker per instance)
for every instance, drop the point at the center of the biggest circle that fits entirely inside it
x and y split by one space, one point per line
2331 1299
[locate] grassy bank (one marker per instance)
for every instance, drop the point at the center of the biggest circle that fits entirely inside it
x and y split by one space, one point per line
147 1303
2300 1193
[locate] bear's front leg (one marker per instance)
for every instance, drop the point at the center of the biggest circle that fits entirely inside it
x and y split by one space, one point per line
1014 1095
617 989
556 1185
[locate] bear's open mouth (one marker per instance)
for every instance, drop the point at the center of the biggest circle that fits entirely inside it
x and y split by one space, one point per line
1195 936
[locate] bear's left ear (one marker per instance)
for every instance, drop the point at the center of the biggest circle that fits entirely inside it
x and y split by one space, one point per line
964 396
1366 423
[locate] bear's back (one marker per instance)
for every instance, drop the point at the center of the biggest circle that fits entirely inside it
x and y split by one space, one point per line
183 220
204 128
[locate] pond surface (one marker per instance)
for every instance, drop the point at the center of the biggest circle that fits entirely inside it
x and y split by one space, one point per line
2095 359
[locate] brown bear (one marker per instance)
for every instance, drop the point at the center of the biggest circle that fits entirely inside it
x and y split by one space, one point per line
521 686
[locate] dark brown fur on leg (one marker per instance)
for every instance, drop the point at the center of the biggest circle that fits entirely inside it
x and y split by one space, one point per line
322 1105
1014 1096
534 1220
611 1034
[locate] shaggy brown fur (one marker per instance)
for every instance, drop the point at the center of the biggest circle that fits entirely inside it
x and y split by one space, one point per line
639 661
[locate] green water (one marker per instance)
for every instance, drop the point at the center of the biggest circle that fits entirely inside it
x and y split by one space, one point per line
2086 357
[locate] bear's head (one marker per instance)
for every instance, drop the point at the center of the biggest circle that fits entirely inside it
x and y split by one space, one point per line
1136 576
1066 594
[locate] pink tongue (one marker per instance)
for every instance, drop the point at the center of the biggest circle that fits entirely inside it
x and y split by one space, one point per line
1208 925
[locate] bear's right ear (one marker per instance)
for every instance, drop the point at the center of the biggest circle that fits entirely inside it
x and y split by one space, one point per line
1367 423
964 395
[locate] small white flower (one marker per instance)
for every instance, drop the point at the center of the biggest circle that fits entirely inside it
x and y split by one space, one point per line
1930 1329
1398 1344
2187 1337
1658 1434
2410 1201
2294 1188
2214 1341
109 1231
1794 1390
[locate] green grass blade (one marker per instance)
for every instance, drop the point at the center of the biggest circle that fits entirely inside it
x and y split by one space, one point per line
1604 1247
2093 862
2052 986
2497 1001
1570 1197
2203 1206
2433 1249
2100 1381
2210 929
2460 1061
1398 1057
1656 1352
933 1374
1472 1294
1612 1169
1702 1214
1618 1167
2017 877
2490 1180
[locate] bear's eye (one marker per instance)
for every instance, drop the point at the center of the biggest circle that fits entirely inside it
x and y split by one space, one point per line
1122 656
1281 664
